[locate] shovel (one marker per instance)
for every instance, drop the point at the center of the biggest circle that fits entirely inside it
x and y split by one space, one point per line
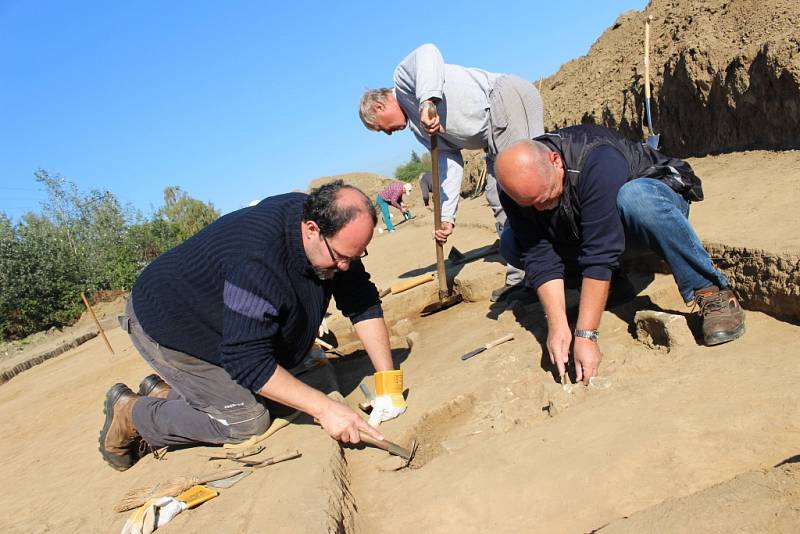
447 297
652 138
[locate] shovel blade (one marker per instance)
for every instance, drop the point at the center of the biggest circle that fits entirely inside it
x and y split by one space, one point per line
652 141
441 304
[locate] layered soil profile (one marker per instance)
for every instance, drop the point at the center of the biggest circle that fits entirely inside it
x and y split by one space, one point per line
725 75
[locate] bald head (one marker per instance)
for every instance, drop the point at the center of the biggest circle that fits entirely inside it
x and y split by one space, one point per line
531 174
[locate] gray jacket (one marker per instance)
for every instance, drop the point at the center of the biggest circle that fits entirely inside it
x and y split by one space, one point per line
463 111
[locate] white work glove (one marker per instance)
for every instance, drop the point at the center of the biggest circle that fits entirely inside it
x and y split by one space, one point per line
323 328
383 409
388 401
153 514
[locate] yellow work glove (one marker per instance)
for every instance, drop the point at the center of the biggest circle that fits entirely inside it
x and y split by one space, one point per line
388 402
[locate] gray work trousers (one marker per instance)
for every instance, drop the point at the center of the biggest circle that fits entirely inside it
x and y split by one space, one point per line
205 405
516 112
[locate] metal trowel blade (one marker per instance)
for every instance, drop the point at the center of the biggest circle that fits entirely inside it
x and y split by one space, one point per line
225 483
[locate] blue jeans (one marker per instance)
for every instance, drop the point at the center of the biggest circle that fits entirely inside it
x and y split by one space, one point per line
387 218
657 217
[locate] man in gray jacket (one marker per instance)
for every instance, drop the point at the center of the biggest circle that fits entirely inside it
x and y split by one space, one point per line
474 109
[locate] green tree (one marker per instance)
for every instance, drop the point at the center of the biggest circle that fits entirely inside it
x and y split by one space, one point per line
82 242
187 214
416 165
41 278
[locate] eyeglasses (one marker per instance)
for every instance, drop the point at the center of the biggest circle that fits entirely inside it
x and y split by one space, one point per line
337 258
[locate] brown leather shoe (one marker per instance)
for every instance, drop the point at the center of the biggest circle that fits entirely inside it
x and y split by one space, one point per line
154 386
723 317
119 441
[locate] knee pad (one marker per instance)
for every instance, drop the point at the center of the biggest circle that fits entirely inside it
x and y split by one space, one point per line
250 427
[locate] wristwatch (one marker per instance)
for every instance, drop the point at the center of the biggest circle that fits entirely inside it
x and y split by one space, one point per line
592 335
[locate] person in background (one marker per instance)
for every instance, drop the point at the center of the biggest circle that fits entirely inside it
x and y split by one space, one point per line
426 188
393 195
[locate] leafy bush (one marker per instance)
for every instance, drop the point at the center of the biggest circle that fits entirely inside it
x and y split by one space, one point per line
82 242
410 170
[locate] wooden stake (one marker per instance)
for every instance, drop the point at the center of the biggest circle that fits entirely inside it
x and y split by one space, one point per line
102 333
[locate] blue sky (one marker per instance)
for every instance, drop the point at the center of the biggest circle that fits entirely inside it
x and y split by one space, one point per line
235 101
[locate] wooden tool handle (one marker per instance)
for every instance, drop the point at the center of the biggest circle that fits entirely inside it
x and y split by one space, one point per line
647 57
325 345
380 443
507 337
437 215
411 282
277 459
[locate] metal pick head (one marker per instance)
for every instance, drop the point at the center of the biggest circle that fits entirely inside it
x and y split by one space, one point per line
413 450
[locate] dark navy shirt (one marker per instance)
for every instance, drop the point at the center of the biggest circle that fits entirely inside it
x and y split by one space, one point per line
547 242
241 293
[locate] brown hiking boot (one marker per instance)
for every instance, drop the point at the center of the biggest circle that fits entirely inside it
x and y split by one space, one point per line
154 386
119 440
723 317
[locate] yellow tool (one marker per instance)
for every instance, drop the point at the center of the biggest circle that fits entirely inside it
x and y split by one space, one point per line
197 495
404 285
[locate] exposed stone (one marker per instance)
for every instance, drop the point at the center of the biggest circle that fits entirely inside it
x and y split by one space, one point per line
662 330
398 342
409 303
412 338
476 280
454 444
763 281
600 382
8 374
403 327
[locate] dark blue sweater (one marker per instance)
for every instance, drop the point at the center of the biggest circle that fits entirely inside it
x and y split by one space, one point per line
546 242
241 293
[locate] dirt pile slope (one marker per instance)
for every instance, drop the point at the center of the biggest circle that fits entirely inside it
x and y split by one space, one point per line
369 182
725 75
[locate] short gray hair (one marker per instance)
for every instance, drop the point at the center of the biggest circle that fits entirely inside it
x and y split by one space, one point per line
366 109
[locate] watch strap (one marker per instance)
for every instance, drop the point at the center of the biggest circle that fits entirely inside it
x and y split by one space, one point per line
592 335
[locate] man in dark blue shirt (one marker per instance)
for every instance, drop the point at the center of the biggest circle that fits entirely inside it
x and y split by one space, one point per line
228 318
571 196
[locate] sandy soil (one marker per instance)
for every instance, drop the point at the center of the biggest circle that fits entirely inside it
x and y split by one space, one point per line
502 446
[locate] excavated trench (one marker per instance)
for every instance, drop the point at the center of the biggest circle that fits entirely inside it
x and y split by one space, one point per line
765 282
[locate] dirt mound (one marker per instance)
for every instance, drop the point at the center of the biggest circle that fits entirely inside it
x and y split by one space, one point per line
474 172
724 76
370 183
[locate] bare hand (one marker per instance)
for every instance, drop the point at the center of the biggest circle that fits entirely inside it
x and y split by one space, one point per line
444 231
343 424
587 359
558 341
429 118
